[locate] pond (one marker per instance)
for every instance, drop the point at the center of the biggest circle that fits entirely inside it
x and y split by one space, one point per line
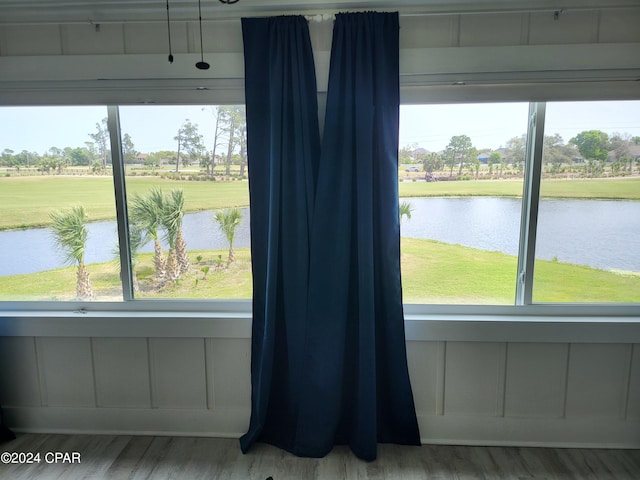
599 233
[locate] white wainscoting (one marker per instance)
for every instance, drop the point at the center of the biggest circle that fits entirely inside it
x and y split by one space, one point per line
489 393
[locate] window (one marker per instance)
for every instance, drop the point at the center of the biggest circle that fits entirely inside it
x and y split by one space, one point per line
461 227
57 206
184 177
588 235
460 243
188 198
468 177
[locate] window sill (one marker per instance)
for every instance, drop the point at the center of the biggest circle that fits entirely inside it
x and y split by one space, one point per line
554 324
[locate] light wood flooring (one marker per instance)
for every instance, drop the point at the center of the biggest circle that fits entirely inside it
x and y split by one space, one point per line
140 457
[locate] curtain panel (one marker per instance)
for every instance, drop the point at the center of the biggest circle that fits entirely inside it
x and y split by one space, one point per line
331 368
283 147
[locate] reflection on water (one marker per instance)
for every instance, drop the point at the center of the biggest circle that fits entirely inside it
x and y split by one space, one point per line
599 233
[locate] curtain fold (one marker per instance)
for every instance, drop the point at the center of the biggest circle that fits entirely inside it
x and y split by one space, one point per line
328 348
283 146
358 391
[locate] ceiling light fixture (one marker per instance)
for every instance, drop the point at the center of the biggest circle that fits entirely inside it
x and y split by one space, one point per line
201 65
169 33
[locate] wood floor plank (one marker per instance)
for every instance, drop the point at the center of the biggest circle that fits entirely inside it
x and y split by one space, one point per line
162 458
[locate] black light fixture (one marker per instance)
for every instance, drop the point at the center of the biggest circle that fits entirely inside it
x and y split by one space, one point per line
201 65
169 33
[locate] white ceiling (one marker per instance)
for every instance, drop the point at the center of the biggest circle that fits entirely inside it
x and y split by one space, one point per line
105 11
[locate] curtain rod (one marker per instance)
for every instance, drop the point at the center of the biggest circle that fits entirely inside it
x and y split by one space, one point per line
322 16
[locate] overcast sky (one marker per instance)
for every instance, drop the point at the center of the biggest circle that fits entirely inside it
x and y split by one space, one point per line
153 127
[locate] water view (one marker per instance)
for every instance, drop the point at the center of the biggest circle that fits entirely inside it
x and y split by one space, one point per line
584 232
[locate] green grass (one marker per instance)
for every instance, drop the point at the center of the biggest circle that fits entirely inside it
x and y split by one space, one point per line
436 272
432 272
614 189
26 201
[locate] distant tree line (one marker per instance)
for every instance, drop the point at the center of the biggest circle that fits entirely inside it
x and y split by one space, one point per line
592 149
229 147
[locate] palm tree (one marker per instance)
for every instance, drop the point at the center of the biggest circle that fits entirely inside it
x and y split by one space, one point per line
405 210
172 213
146 213
228 220
70 234
137 239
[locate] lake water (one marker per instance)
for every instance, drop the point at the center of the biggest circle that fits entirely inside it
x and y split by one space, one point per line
602 234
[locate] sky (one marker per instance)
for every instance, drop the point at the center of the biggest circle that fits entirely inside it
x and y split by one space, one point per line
153 127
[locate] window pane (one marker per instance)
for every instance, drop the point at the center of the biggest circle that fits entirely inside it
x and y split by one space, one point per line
461 175
58 237
589 221
188 201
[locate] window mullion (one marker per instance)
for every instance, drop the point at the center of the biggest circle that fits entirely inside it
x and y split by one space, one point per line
530 202
117 162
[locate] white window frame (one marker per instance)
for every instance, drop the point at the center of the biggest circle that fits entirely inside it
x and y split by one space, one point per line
522 321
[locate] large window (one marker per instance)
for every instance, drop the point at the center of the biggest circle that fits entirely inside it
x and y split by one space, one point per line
588 236
188 199
462 169
183 171
461 176
58 239
150 202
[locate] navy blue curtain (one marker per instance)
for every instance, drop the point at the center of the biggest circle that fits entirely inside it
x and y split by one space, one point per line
283 146
359 391
329 367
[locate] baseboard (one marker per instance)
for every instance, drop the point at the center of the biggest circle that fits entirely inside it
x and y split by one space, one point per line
530 432
232 423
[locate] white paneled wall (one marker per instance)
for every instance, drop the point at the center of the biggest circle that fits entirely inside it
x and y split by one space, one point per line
572 26
465 392
468 392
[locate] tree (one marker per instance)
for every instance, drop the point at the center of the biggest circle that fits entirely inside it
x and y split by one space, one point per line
592 144
129 152
234 123
431 161
146 216
189 141
172 214
495 158
556 153
620 145
217 113
228 220
101 141
70 234
78 156
459 151
515 151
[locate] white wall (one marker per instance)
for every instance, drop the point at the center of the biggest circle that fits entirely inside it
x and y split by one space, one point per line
506 393
479 387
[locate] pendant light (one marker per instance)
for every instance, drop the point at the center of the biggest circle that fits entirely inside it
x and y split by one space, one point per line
169 33
201 65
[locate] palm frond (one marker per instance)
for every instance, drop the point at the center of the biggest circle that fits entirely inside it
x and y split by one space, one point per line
172 213
405 210
70 233
228 220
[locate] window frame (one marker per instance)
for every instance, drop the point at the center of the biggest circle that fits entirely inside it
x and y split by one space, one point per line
523 311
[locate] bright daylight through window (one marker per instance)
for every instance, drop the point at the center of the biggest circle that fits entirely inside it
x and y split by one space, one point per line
183 172
461 184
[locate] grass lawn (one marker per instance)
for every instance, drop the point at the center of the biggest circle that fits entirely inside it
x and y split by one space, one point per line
27 201
432 272
601 188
